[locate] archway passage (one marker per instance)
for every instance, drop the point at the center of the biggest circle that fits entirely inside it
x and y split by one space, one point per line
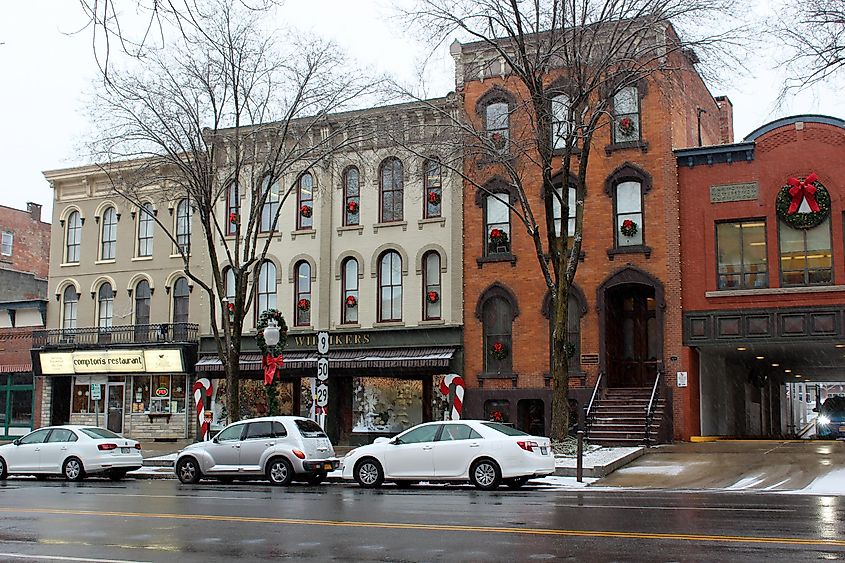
633 336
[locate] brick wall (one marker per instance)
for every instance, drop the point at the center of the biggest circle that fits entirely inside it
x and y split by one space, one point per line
31 248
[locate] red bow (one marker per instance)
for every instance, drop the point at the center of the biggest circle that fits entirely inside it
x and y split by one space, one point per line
271 364
801 189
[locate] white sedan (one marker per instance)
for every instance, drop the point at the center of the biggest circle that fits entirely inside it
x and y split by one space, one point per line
484 453
72 451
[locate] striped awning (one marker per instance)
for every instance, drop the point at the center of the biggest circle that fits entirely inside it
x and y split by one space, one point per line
16 368
346 359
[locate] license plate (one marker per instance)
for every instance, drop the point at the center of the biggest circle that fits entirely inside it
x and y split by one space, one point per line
842 428
327 466
124 450
543 450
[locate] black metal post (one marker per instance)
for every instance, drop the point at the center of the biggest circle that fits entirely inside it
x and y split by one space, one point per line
579 467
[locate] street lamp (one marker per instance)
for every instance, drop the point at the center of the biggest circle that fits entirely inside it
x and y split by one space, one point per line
271 333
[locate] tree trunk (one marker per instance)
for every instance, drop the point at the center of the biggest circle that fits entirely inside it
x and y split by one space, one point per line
560 364
233 376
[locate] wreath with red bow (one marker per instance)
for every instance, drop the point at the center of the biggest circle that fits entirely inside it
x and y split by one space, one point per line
628 228
433 297
352 207
351 302
303 305
434 198
305 211
499 350
791 197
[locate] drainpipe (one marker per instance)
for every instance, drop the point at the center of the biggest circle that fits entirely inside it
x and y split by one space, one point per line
699 111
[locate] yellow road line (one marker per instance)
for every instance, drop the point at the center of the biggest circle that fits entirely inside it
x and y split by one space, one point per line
438 527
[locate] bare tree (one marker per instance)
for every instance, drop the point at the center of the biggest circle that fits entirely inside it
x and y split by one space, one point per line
814 31
219 118
565 61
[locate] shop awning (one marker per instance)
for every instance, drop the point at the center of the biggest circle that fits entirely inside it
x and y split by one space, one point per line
16 368
346 359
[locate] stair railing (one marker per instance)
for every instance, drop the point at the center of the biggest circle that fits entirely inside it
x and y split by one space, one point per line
588 416
652 405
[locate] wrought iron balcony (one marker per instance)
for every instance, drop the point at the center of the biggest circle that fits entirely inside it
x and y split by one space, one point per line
168 333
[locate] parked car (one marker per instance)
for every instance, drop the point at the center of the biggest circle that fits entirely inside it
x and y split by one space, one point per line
277 448
72 451
830 422
484 453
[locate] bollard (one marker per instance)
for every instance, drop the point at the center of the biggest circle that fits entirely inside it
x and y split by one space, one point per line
579 468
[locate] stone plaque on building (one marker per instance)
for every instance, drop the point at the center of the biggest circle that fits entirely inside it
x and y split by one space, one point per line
589 359
733 192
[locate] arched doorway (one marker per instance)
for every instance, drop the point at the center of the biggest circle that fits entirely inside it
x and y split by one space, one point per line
631 320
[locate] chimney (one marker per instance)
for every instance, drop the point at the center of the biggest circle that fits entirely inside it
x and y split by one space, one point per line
34 210
726 119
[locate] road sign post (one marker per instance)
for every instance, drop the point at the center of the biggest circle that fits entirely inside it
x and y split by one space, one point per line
321 393
96 395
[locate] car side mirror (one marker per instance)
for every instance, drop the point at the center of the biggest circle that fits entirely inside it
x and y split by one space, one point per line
17 442
815 409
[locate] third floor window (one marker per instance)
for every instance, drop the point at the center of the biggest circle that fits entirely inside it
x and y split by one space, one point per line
741 250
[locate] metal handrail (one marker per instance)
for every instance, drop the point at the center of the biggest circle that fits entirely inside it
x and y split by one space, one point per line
588 414
116 335
649 411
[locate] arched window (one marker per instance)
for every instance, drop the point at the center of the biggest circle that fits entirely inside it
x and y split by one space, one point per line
108 235
561 126
497 220
497 124
105 307
73 238
142 303
349 296
266 287
626 115
433 189
270 207
146 224
181 295
183 226
557 210
302 295
390 287
230 285
233 208
351 196
305 202
70 302
497 325
392 190
432 296
628 204
573 332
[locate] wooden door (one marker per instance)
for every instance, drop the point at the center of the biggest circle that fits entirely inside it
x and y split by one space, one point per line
632 336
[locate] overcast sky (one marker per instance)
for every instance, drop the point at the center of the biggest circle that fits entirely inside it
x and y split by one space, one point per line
45 72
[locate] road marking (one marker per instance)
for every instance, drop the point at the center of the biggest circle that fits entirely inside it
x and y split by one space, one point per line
64 558
438 527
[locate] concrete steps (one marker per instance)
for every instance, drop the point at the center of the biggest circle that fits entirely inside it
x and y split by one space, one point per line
618 418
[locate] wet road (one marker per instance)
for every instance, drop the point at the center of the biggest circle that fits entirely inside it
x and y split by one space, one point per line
164 521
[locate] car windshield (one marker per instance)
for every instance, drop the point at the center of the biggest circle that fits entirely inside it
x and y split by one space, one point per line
834 405
100 433
504 429
310 429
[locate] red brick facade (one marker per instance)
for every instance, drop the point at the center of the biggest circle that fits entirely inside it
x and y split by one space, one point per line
31 246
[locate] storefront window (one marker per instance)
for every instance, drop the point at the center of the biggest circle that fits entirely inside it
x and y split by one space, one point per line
16 391
382 404
497 410
82 403
158 394
741 250
141 393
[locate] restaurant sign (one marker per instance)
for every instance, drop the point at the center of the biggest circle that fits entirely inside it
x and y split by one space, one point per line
111 361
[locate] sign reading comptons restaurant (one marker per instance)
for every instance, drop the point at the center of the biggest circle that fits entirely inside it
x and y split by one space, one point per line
111 361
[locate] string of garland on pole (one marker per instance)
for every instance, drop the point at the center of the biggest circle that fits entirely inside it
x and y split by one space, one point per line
271 338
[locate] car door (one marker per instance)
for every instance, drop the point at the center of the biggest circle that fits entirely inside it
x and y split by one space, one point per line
455 448
259 436
55 450
26 456
225 449
409 455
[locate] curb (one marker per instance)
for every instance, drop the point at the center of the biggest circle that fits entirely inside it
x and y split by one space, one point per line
599 471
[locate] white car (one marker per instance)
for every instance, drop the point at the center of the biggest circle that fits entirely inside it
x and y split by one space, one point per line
73 451
484 453
278 448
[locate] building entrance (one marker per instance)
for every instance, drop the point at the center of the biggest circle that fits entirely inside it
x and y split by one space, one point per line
632 336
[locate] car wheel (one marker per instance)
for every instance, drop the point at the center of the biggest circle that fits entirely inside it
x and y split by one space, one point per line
4 472
73 470
516 482
316 478
485 474
188 470
405 484
116 474
368 473
279 471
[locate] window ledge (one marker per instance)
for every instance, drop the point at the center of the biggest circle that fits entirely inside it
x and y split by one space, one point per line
403 224
300 328
389 324
640 144
109 261
430 322
67 264
792 290
562 151
348 326
141 258
349 229
497 375
302 233
635 249
481 260
431 221
177 255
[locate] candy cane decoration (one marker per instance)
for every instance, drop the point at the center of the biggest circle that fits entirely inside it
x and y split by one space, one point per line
202 389
458 402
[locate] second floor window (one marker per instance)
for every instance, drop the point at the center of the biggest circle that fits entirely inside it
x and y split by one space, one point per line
557 209
105 306
431 286
143 296
270 207
181 300
351 197
349 281
266 289
390 287
305 202
73 238
497 124
70 302
628 202
497 326
146 224
302 295
183 225
497 220
626 115
433 189
561 126
7 243
805 255
741 249
233 208
392 191
108 236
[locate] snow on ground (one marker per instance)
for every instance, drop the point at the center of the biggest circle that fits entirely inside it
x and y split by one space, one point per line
833 483
673 469
749 482
600 457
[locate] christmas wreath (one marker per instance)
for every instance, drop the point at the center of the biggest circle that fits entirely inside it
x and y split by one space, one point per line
231 308
628 228
306 211
792 197
626 126
263 321
351 302
303 304
352 207
433 297
233 218
498 139
498 237
434 198
569 350
499 350
496 416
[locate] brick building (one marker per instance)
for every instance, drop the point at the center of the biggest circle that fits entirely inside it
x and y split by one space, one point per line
762 280
625 308
24 262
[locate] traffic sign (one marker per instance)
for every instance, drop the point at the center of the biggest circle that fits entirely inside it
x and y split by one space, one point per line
323 342
322 369
96 393
322 395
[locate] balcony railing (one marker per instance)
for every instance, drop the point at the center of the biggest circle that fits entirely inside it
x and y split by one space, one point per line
116 335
